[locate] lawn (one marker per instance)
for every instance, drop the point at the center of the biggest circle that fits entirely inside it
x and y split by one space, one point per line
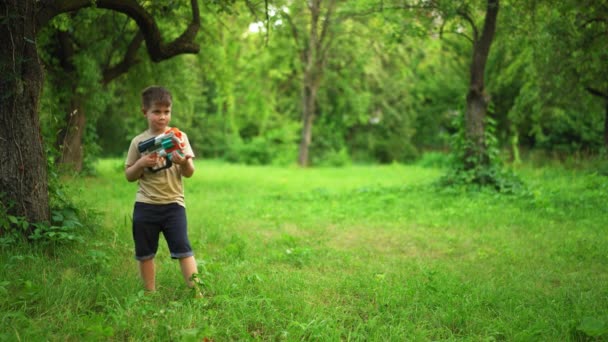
374 253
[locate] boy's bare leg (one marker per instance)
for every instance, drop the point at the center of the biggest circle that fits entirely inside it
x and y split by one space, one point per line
188 266
148 274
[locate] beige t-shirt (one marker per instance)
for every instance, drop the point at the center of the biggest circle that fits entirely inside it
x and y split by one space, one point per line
164 186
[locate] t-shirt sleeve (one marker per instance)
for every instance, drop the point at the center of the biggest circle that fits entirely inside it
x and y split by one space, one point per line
187 147
133 154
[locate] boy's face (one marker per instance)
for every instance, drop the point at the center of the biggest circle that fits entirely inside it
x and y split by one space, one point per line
159 116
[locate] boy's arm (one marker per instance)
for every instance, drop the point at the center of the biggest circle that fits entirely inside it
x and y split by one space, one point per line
135 171
186 164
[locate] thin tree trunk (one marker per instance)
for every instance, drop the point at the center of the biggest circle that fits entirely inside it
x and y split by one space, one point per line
313 59
71 137
308 113
477 101
23 167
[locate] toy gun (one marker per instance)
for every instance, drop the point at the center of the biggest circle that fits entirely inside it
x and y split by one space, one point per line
164 145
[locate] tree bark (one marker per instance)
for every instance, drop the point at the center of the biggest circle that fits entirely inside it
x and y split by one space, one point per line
23 166
313 57
309 97
477 100
71 136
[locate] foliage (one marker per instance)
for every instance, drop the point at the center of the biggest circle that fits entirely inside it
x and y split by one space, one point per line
434 160
65 227
274 147
391 87
74 81
549 57
11 227
69 223
480 168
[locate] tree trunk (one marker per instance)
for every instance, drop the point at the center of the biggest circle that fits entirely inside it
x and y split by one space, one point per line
70 137
475 116
313 59
309 95
23 167
477 102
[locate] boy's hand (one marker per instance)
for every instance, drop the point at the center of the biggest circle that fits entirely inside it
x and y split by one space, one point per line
179 159
148 160
136 171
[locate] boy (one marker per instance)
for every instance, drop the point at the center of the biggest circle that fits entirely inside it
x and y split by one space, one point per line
159 202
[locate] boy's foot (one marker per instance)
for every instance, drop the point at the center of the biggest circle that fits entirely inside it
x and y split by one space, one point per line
197 285
198 294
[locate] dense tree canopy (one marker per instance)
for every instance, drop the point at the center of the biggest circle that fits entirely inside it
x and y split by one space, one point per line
393 79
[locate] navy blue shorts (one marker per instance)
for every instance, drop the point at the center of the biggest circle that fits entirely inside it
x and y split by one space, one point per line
149 220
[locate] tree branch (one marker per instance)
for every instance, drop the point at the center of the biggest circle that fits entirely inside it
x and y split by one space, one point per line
327 20
129 60
381 7
489 27
465 15
597 93
294 30
292 25
470 39
590 21
323 48
442 31
481 47
157 50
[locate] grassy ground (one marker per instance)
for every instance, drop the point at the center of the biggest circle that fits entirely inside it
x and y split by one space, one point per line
359 253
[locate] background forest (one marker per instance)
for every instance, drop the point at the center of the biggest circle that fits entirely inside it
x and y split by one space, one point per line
392 80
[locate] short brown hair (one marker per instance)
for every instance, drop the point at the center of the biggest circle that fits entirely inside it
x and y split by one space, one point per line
155 95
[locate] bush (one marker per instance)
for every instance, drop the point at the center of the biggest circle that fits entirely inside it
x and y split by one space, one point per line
434 159
334 158
276 147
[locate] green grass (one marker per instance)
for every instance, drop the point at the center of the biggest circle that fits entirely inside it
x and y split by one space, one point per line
370 253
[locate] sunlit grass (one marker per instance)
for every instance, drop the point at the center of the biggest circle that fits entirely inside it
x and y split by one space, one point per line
357 253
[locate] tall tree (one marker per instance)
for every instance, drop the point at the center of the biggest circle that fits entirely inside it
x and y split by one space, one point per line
477 98
23 171
313 46
474 155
